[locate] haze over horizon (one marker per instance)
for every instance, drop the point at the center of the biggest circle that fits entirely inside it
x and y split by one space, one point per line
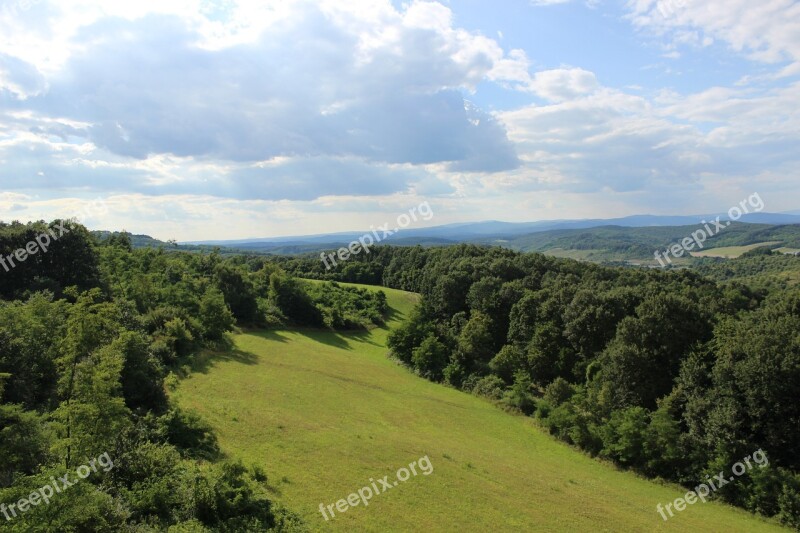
214 120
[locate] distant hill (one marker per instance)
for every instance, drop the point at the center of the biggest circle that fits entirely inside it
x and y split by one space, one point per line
137 241
488 231
628 239
621 243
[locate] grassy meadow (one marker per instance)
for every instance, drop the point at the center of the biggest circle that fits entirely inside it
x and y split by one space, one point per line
324 412
732 252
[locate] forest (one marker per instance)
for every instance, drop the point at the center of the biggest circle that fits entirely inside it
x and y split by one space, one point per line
672 374
91 336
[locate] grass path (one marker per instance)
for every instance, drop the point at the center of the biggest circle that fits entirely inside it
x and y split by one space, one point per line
324 412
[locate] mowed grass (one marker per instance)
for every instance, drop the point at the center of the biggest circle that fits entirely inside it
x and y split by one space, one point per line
731 252
580 255
324 412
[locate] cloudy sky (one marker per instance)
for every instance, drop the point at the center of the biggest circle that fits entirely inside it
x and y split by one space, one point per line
215 119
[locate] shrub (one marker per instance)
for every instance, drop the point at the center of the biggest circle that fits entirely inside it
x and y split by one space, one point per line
491 387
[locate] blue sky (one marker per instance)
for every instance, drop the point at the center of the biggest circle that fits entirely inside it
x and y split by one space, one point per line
201 119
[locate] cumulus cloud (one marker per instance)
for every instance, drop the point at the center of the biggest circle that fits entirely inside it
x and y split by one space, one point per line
767 31
288 106
19 79
607 139
30 162
563 84
321 84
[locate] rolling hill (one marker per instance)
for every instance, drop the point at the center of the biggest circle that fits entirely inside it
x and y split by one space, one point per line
622 243
487 231
324 412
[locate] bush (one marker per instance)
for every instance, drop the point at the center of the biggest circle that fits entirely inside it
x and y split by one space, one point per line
190 434
519 395
558 392
215 315
454 374
789 502
430 358
505 363
491 387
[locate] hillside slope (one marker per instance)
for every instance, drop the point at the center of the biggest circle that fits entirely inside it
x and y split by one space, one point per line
324 412
619 243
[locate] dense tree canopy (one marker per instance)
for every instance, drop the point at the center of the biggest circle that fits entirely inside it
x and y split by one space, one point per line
89 332
672 374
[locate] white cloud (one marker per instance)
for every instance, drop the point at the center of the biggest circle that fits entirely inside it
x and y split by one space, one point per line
766 31
329 80
205 118
563 84
605 138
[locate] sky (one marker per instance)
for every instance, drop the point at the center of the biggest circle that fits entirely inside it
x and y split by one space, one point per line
228 119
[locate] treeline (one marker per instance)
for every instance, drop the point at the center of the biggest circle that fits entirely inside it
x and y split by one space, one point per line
761 268
667 373
89 334
641 243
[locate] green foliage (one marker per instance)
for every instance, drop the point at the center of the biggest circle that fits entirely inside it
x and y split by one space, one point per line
789 500
70 258
239 292
548 356
760 271
190 434
178 335
293 301
215 315
84 507
142 374
430 358
24 445
640 364
618 242
558 392
490 386
755 377
757 252
624 436
668 373
29 332
82 368
476 344
409 335
506 362
345 308
520 395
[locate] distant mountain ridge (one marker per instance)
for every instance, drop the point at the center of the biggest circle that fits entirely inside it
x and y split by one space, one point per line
492 229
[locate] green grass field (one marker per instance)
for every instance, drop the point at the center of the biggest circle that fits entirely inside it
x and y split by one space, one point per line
580 255
731 252
324 412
